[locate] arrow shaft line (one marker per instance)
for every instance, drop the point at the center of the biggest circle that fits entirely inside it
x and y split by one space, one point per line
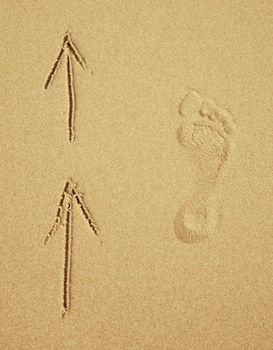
59 214
67 258
71 98
85 212
54 68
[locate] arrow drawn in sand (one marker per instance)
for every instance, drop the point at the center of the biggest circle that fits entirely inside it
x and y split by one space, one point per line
64 217
69 50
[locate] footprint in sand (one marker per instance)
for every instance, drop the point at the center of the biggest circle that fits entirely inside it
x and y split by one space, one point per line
206 131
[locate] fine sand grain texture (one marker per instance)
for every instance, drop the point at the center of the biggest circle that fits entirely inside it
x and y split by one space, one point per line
137 143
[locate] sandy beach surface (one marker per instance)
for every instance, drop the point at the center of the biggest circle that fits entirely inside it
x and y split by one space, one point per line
163 238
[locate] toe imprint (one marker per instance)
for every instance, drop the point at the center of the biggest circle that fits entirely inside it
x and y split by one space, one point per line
201 111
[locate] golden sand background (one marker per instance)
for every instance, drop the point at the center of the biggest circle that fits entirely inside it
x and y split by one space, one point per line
143 288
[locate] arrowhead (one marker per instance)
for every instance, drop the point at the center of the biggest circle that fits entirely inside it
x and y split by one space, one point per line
67 44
